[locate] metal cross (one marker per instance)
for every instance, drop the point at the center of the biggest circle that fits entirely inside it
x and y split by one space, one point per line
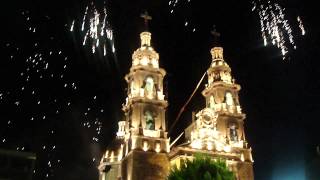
146 18
216 35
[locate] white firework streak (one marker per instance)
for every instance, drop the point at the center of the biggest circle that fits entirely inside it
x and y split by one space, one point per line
275 27
96 28
303 31
84 18
72 25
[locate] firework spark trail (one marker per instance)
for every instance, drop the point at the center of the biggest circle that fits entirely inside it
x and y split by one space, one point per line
174 4
303 32
96 28
40 67
84 18
72 25
98 35
275 27
37 63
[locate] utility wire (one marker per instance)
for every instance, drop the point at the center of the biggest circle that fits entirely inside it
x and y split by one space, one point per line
185 105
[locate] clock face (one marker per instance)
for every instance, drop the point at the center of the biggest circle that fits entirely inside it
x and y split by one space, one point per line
207 117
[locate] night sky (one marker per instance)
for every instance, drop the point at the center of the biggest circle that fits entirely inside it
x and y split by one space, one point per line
81 93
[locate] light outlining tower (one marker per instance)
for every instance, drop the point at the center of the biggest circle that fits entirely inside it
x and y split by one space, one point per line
142 144
218 130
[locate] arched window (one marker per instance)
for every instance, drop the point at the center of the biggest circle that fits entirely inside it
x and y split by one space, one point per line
229 99
149 118
149 88
233 133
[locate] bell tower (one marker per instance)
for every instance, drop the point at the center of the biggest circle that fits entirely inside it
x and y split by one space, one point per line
218 130
146 142
221 94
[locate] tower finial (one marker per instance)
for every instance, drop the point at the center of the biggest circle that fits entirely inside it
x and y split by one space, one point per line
217 50
216 36
146 18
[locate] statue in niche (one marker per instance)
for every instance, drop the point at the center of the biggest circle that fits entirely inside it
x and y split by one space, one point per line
229 99
149 118
149 87
217 77
233 133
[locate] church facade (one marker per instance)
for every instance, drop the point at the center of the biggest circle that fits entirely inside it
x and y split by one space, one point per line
142 149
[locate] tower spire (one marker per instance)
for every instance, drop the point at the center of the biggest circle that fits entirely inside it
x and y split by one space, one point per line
216 36
146 18
217 50
146 35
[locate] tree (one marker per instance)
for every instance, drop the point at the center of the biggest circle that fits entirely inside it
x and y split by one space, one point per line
202 168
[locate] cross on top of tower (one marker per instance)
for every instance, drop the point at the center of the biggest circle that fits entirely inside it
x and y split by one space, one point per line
146 18
216 36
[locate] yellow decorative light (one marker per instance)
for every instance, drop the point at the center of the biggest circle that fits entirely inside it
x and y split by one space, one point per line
133 143
242 157
112 156
229 99
196 144
157 147
155 63
218 148
209 146
107 154
160 95
144 61
239 110
227 148
135 62
120 153
145 146
251 159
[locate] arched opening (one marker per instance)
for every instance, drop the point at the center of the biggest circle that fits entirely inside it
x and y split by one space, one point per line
149 87
233 133
229 99
149 119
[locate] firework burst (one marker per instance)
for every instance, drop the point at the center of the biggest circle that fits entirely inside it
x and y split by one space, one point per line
95 29
43 93
275 28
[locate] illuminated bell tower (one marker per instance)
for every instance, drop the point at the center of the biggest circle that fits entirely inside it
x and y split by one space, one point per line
221 94
146 142
218 129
